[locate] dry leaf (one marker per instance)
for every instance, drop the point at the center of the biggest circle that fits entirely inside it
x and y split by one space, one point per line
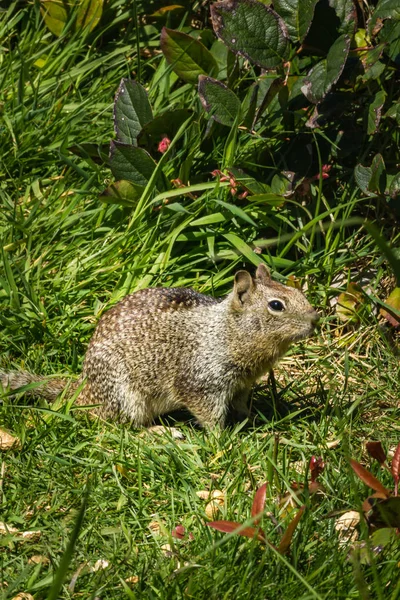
345 526
8 441
7 529
25 535
203 494
30 535
349 302
133 579
212 509
333 444
99 565
23 596
394 301
38 558
167 550
155 527
218 495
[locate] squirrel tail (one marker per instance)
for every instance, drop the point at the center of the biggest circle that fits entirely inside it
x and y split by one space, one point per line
45 387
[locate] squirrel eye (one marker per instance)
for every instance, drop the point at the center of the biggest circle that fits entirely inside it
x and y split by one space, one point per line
276 305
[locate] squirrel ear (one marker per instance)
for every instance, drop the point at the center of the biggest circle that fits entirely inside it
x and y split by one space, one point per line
263 274
242 288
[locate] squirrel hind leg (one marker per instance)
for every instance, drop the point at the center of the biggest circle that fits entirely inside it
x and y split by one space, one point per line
116 401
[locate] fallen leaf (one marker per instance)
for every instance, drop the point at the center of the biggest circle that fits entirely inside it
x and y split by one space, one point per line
99 565
203 494
179 532
212 509
348 303
394 301
8 441
39 559
7 529
333 444
155 527
218 495
167 550
345 526
25 535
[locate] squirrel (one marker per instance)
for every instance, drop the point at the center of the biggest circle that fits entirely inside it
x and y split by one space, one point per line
162 349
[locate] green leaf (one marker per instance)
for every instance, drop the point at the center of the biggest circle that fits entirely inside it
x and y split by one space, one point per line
385 9
132 111
122 192
394 189
347 14
378 175
371 180
166 124
363 176
393 301
187 56
375 111
394 112
390 35
219 100
57 13
131 163
252 30
297 15
89 14
325 74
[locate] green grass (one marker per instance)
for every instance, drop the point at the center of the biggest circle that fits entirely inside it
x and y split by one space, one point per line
66 257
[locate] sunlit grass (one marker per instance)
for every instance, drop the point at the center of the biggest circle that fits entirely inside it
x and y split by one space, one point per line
66 258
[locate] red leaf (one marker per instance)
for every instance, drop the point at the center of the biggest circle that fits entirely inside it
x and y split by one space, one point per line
259 502
314 487
368 478
287 536
179 532
396 468
317 465
375 450
232 527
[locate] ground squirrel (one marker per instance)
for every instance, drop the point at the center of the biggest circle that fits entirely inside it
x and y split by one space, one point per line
161 349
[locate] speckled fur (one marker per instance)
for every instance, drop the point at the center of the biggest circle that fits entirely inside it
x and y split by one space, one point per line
165 348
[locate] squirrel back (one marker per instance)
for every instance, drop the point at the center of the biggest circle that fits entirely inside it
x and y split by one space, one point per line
165 348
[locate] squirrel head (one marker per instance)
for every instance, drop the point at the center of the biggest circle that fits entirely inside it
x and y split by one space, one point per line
280 311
